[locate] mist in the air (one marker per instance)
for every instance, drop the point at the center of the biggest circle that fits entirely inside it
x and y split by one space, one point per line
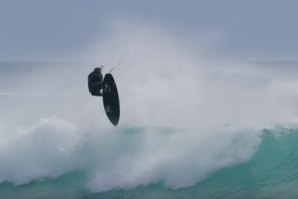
163 80
166 80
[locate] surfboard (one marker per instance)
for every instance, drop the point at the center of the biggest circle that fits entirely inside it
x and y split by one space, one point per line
111 99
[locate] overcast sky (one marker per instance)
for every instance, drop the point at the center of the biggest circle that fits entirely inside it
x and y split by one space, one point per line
57 29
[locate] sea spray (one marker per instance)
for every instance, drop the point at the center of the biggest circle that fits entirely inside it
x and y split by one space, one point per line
123 158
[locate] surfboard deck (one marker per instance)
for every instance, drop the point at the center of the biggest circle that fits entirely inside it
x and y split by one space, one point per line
111 99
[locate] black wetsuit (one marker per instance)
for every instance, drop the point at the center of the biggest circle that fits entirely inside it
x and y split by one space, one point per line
95 80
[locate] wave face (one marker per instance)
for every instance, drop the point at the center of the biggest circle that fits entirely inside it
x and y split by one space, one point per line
155 163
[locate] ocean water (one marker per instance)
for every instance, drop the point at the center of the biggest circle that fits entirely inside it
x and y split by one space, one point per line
269 172
209 132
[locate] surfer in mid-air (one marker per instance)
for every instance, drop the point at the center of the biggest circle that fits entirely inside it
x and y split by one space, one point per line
95 82
107 89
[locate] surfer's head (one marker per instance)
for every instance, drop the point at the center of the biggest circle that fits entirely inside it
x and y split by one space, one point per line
98 69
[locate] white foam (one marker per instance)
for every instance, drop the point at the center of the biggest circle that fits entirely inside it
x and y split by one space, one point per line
177 159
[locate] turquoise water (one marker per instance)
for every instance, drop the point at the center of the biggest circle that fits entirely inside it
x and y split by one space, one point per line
271 172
